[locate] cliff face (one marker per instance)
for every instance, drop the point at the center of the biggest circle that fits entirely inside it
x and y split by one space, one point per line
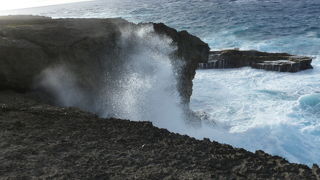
192 50
89 47
29 45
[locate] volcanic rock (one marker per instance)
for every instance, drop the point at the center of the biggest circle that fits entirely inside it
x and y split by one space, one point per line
281 62
40 141
30 44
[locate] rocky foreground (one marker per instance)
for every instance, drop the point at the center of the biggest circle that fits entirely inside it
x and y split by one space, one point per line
42 141
233 58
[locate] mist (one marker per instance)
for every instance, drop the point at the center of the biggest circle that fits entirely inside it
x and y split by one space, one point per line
142 86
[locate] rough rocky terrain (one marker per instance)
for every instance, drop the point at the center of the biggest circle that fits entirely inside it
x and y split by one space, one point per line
42 141
281 62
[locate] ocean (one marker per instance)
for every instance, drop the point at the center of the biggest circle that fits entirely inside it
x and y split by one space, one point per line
252 109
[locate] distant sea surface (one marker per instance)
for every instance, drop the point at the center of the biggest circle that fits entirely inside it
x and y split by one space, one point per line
276 112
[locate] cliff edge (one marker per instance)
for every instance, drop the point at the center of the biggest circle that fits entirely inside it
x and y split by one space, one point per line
90 48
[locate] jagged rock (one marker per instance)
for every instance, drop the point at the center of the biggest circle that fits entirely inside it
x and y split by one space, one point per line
30 44
234 58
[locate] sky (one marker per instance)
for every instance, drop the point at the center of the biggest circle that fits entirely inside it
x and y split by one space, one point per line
19 4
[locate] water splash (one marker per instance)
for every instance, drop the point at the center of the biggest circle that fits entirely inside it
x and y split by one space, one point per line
142 87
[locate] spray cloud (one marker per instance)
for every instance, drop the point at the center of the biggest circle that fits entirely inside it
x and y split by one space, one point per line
139 85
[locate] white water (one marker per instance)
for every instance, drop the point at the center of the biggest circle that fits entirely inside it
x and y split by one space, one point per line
257 109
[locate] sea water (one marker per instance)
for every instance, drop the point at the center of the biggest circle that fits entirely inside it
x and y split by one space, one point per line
253 109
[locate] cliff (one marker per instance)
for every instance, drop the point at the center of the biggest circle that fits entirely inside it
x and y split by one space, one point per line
46 142
281 62
192 50
90 48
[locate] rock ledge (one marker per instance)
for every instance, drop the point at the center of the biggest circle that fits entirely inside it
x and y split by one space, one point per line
281 62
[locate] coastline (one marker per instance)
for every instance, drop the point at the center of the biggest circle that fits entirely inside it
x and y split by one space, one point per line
43 141
30 128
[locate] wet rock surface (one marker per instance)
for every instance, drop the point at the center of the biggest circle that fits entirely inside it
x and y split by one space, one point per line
281 62
42 141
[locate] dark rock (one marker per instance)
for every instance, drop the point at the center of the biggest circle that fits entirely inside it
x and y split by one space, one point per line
39 141
89 47
192 50
316 170
281 62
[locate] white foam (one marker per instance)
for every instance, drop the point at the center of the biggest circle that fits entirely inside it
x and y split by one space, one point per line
275 112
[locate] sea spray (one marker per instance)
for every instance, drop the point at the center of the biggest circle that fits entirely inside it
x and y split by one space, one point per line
147 89
61 83
140 84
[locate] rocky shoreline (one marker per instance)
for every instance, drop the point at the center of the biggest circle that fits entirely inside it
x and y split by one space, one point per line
41 139
233 58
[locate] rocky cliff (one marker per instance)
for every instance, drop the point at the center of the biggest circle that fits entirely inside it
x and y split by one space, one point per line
88 47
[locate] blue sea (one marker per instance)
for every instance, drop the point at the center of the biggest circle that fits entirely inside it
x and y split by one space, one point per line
252 109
